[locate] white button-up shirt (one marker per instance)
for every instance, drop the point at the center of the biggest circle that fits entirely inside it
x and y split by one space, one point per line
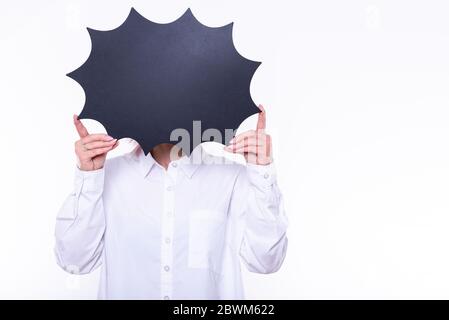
178 233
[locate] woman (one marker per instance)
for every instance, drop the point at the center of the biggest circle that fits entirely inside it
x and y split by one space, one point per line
164 227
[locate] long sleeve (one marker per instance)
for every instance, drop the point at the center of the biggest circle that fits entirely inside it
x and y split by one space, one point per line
258 202
80 224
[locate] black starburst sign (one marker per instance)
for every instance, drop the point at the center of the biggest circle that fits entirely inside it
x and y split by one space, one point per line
143 80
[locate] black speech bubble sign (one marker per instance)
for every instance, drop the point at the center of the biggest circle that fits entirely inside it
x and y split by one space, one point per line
144 79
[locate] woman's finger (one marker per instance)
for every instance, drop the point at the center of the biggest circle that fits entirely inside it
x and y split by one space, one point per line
80 128
96 137
250 149
242 136
96 152
253 141
98 144
115 145
262 119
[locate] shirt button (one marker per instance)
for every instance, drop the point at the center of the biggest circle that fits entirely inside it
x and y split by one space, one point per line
266 175
167 240
167 268
166 298
169 188
174 164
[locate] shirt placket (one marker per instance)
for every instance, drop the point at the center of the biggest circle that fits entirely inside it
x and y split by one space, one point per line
168 217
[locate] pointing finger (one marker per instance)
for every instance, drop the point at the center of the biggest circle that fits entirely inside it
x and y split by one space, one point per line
82 131
261 121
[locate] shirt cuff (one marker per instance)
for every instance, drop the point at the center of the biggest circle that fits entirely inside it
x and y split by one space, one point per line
89 180
261 175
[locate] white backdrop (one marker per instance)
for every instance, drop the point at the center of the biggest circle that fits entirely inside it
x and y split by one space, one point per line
357 100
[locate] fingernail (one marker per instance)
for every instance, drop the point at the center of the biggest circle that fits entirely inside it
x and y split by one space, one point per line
109 138
232 140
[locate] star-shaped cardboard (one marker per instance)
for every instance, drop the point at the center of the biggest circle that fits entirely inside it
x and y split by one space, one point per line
143 80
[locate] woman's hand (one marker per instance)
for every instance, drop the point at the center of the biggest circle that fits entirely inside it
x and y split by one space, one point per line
92 149
254 145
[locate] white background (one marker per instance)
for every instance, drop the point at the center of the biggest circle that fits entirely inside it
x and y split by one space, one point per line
357 99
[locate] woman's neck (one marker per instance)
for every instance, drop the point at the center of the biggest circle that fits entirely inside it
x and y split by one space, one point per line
165 153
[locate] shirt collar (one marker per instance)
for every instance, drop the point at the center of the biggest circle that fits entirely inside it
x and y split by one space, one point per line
188 164
144 163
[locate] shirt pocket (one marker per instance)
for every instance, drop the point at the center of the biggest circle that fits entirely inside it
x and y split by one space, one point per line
206 239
